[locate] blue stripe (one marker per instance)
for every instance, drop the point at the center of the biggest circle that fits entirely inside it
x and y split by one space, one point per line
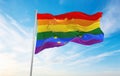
39 42
65 40
91 36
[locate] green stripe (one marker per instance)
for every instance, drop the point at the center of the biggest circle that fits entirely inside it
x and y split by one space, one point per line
44 35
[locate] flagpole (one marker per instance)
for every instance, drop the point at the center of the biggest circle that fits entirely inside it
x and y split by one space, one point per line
34 41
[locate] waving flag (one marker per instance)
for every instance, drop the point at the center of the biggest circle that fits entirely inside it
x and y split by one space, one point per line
58 30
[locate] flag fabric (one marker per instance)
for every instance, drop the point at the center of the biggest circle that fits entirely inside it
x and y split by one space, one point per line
58 30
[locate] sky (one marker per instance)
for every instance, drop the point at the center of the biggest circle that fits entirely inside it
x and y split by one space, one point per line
17 19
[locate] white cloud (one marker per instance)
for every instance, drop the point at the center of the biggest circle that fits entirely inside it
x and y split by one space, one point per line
16 25
94 59
111 17
10 66
15 47
12 35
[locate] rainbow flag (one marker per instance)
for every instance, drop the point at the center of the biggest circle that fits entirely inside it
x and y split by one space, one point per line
58 30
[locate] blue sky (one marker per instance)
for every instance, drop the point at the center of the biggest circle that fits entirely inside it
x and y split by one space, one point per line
16 40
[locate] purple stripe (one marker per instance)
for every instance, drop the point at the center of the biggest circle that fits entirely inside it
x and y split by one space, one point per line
76 40
85 42
47 45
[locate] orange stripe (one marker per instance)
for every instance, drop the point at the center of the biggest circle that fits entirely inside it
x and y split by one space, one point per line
65 22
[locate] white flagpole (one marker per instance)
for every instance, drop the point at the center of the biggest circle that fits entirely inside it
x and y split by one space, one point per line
34 41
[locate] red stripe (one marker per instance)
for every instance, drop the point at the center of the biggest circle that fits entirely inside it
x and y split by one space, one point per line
70 15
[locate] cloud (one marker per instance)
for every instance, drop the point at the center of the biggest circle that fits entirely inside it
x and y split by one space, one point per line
9 66
94 59
15 47
12 35
69 55
16 25
111 17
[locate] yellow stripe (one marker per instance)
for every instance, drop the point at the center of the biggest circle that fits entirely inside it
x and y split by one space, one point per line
67 28
66 22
